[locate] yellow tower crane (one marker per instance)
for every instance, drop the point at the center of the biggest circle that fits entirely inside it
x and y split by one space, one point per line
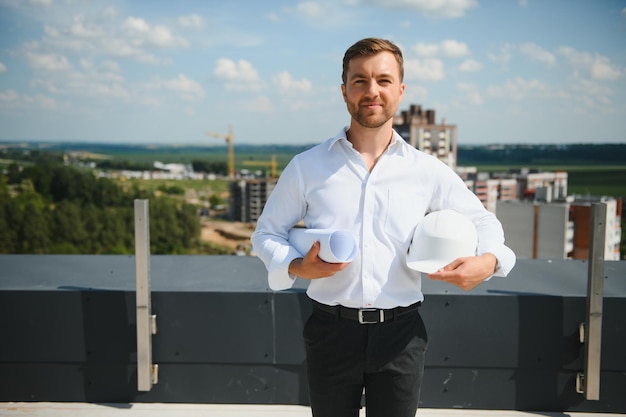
271 164
230 140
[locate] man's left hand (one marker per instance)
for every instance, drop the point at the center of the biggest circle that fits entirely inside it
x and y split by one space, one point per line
467 273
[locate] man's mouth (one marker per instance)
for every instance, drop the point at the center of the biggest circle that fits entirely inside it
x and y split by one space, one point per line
371 105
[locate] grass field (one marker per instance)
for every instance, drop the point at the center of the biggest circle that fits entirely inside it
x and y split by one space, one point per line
202 189
185 157
582 179
597 180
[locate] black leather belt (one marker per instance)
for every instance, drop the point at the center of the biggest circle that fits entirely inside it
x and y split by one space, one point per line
366 315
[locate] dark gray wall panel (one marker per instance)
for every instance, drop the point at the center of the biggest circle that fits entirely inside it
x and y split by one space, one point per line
213 327
529 390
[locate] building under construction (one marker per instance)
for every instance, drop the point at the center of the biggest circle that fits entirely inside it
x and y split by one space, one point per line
248 197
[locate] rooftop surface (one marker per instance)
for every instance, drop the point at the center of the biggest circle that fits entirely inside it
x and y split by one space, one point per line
228 410
195 273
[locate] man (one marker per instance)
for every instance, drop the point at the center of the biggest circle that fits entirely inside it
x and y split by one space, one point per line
365 331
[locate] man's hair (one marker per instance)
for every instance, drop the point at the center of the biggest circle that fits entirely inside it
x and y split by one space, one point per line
369 47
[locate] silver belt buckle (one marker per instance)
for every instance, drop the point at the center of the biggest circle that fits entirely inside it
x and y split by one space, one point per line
381 317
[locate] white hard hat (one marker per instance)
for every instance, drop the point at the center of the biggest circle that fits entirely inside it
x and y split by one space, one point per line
441 237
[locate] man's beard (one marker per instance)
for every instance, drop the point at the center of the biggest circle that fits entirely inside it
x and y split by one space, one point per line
366 118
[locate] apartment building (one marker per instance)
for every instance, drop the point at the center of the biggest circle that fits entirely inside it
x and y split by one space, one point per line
540 229
419 128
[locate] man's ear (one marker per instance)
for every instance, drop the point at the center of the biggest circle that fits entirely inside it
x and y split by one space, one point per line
343 93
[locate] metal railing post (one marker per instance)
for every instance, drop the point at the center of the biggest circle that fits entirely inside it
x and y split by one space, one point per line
147 372
591 331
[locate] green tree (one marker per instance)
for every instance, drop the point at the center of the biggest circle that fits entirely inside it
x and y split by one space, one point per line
9 212
113 234
33 231
68 228
189 224
165 232
14 173
92 221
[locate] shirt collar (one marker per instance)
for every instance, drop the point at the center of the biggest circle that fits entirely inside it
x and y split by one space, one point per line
395 138
341 135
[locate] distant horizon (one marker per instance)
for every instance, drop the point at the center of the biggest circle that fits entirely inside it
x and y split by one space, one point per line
297 145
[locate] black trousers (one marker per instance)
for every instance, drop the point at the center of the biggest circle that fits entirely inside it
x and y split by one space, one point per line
344 357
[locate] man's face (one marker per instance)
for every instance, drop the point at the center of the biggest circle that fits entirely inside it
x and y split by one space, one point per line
373 89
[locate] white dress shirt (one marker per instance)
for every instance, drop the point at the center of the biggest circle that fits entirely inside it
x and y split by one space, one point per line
330 187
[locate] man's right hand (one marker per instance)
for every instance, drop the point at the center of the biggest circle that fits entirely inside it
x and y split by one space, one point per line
312 267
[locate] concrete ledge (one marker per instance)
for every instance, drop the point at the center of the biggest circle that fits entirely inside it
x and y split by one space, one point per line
226 410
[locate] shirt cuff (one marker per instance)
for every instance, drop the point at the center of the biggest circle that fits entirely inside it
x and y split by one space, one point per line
278 275
505 260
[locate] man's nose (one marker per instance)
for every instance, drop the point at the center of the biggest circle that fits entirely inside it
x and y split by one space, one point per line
372 88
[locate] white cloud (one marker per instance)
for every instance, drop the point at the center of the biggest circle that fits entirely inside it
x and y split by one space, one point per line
424 69
470 65
45 102
297 104
415 93
441 9
286 84
9 97
48 62
601 69
471 93
426 49
261 104
502 56
519 89
110 13
132 38
90 79
187 88
273 17
240 75
83 29
312 10
160 36
90 85
3 68
112 66
594 94
13 100
537 53
448 49
192 21
137 25
454 49
123 48
597 66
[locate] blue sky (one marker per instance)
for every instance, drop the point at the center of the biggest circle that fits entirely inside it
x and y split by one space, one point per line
503 71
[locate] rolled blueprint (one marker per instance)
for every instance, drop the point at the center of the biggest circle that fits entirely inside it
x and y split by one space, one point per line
335 245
